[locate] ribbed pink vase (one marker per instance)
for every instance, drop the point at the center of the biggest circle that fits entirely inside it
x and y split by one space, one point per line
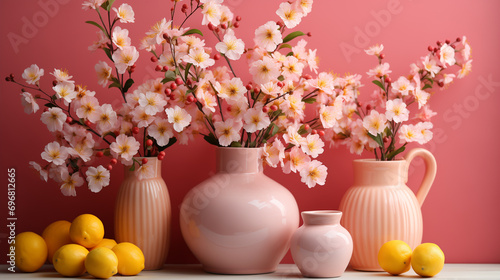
142 214
239 221
379 207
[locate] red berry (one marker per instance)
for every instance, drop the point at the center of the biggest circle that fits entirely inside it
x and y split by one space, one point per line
279 23
274 107
223 26
436 49
87 123
386 139
160 157
54 83
99 154
69 119
162 153
459 39
368 107
109 167
135 130
144 160
183 10
210 26
430 48
321 133
168 91
236 24
314 131
149 142
307 76
439 43
382 56
453 46
256 90
309 34
441 84
307 127
265 109
179 81
238 18
388 80
113 161
165 68
280 84
447 41
216 56
190 99
173 86
165 36
158 68
248 87
217 29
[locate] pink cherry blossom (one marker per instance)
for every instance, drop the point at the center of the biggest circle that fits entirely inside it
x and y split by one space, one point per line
29 103
124 147
313 173
396 110
54 118
268 36
125 57
289 14
228 131
125 13
32 74
375 123
97 178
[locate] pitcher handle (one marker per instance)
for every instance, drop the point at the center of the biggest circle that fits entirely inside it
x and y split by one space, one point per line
430 171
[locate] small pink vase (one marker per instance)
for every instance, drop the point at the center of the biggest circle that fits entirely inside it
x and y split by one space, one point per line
143 214
379 207
239 221
321 247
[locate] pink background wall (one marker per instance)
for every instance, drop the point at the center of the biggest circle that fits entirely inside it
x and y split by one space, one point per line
461 213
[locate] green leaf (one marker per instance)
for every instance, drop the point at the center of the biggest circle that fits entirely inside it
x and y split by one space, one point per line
170 143
275 130
282 46
108 53
186 73
309 100
293 35
96 24
377 139
192 31
289 54
132 168
426 86
281 78
115 80
127 85
116 85
379 83
211 139
235 144
395 153
169 76
107 5
109 133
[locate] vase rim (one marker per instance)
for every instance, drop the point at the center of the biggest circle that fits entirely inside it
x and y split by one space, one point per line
322 212
374 160
237 148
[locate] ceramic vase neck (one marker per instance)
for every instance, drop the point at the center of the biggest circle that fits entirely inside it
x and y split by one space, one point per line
325 217
153 163
379 173
239 160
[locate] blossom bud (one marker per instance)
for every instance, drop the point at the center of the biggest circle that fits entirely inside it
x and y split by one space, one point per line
109 167
453 46
436 49
386 139
279 23
144 160
165 36
99 154
168 91
314 131
173 86
223 26
307 127
135 130
69 120
280 84
307 76
54 83
382 56
179 81
216 56
441 84
236 24
368 107
189 82
256 90
210 26
87 123
388 79
265 109
158 68
154 59
274 107
149 142
216 29
430 48
7 79
321 133
190 99
165 68
238 18
113 161
248 87
447 41
439 43
459 39
309 34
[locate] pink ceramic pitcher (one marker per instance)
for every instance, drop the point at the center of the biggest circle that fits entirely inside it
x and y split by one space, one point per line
379 207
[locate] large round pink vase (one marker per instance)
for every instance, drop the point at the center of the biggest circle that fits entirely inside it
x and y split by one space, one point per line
379 207
321 247
143 214
239 221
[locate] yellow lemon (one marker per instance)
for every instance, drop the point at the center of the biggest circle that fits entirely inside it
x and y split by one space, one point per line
69 260
31 251
105 242
130 258
427 259
394 257
86 230
56 235
101 263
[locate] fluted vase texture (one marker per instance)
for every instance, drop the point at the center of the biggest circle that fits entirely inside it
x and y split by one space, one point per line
143 215
379 207
239 221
